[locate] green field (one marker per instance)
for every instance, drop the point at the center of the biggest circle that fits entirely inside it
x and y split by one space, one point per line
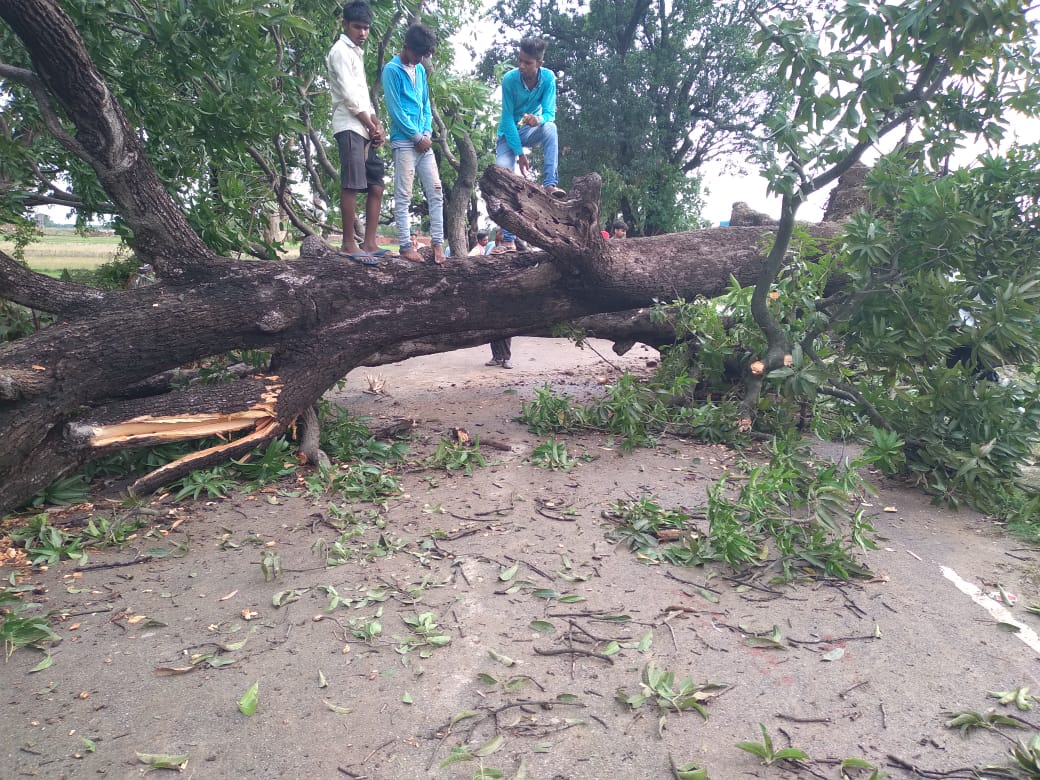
54 254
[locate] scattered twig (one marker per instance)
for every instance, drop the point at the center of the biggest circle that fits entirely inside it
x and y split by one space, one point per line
671 576
574 651
831 641
532 567
796 719
847 691
377 749
884 715
115 564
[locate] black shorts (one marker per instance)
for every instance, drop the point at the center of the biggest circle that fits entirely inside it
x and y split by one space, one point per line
359 167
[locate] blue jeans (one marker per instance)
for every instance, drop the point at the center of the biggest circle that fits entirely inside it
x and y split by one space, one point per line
408 163
544 136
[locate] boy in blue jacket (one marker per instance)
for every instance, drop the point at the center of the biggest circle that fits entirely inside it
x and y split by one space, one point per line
407 97
529 119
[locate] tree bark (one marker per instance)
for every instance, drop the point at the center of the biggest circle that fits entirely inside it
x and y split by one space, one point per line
63 391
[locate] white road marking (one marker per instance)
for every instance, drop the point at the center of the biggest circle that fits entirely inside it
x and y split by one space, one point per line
997 610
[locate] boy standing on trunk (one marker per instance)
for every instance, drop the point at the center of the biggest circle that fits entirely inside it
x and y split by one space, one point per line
358 132
411 127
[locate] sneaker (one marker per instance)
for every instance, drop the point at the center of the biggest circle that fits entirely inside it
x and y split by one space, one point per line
506 364
554 192
493 362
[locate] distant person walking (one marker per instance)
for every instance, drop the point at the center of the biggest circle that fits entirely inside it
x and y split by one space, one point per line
358 133
529 119
407 96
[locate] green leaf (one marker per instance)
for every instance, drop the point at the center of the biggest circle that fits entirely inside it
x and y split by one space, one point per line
489 747
542 626
464 715
407 698
835 654
336 708
247 704
457 754
505 660
546 593
754 748
44 664
791 754
507 574
164 760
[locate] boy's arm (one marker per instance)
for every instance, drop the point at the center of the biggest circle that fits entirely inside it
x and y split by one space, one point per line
507 125
549 98
427 108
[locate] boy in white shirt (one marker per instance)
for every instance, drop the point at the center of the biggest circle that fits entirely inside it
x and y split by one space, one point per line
358 132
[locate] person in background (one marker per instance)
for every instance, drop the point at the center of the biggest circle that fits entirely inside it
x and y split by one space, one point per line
619 229
358 132
529 119
501 349
480 247
495 247
411 128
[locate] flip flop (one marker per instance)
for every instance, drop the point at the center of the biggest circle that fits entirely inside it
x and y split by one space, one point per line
383 253
364 258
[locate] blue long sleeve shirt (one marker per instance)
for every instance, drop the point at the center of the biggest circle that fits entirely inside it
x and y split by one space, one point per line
407 103
518 100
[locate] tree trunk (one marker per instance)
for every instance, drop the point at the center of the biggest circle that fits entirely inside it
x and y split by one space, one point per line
63 391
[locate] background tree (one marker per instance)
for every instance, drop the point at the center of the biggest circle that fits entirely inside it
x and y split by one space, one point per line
648 93
236 104
935 270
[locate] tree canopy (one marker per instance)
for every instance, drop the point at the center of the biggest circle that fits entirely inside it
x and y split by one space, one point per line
648 93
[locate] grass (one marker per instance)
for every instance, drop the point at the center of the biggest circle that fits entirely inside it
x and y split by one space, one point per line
53 254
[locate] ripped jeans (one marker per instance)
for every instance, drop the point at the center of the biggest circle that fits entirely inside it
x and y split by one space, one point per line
408 163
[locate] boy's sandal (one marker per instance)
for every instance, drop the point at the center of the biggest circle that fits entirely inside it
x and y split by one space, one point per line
554 192
364 258
387 253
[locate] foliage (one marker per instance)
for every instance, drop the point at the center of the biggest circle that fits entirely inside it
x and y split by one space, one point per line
765 751
46 543
231 102
19 629
355 482
661 687
552 454
551 413
453 455
806 507
649 93
345 437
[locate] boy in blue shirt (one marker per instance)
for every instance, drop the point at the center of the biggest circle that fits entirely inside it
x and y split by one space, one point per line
411 126
529 119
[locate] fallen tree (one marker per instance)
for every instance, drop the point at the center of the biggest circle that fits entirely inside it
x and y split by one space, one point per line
67 393
95 381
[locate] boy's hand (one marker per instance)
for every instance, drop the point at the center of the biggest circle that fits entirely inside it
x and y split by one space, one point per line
524 167
424 145
530 120
376 135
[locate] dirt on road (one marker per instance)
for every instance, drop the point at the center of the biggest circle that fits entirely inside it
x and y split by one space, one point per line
487 618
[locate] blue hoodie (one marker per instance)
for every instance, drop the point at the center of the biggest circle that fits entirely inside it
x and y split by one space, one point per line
407 104
518 100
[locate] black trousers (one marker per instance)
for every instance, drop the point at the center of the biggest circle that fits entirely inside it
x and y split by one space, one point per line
500 349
